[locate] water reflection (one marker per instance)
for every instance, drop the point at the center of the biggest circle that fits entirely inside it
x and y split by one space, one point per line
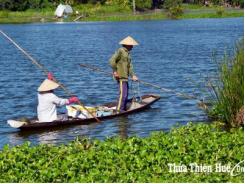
48 138
56 135
12 139
123 126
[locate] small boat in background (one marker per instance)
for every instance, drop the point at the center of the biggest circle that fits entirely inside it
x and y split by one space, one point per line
133 107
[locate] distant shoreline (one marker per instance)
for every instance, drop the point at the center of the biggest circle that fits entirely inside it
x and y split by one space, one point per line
34 16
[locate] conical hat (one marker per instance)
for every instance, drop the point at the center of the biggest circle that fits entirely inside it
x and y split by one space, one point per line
47 85
128 41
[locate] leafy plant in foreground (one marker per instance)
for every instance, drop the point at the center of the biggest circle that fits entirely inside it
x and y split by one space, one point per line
131 160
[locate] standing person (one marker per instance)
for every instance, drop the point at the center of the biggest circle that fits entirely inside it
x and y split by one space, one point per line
122 67
48 101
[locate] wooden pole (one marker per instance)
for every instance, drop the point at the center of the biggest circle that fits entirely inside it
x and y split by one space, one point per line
143 82
45 71
201 102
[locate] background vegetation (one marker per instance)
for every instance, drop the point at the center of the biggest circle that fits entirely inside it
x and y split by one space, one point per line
25 11
132 160
22 5
228 90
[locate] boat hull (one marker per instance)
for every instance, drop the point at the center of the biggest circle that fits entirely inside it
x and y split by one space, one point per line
78 121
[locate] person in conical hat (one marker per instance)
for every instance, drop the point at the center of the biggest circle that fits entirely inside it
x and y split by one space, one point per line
48 101
122 67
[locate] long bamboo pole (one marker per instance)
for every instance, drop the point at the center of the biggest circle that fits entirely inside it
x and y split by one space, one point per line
201 102
45 71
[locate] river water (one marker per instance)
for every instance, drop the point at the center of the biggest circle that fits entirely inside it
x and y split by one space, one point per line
175 54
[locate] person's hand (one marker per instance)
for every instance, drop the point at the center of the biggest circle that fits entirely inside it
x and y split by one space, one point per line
115 74
50 76
135 78
73 99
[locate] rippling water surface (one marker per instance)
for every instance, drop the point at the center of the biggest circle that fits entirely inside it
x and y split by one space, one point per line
171 54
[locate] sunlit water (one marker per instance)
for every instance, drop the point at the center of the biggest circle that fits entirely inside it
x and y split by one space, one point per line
172 54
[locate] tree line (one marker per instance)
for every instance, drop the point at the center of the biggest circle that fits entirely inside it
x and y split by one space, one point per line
22 5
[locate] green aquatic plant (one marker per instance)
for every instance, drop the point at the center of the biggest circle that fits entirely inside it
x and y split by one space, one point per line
133 159
228 90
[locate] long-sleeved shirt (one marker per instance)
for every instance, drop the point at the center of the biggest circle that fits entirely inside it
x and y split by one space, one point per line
47 103
121 63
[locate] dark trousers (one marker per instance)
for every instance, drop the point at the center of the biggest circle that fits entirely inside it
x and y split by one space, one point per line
123 96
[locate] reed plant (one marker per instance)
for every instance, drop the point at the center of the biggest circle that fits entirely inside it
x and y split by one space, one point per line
228 90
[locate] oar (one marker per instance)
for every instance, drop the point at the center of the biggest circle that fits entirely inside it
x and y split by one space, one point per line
201 103
45 71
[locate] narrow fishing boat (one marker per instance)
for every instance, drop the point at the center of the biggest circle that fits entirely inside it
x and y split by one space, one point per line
105 111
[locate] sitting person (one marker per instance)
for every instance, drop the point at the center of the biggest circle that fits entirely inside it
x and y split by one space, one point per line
48 101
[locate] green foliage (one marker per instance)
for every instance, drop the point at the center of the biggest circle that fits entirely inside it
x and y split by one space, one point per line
228 91
140 4
175 12
172 3
220 11
96 1
22 5
198 1
17 5
237 3
112 10
174 8
132 160
143 4
4 14
118 2
217 2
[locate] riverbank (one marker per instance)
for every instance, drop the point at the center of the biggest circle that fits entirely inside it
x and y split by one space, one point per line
191 153
111 13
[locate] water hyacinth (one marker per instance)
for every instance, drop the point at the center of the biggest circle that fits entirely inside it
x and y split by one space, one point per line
129 160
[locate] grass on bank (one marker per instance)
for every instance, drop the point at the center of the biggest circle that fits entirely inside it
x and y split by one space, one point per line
27 16
131 160
114 13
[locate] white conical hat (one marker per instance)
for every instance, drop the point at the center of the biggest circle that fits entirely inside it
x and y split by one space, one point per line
128 41
47 85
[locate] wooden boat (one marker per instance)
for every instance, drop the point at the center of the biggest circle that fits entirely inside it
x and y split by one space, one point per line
145 102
